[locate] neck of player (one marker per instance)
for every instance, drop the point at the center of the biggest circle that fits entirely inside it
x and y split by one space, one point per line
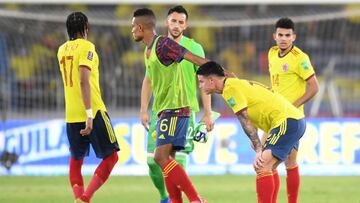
283 52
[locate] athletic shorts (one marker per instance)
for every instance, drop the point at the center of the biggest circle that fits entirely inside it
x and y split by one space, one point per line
171 128
151 140
102 137
285 137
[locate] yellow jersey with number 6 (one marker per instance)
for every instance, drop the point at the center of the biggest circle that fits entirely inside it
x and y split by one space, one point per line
71 55
288 74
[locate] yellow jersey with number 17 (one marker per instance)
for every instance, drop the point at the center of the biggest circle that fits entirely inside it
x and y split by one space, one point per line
71 55
266 109
288 74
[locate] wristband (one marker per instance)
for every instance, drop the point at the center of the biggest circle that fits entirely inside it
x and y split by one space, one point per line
89 113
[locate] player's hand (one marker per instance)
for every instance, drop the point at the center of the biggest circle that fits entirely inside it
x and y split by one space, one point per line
259 161
208 122
88 127
145 121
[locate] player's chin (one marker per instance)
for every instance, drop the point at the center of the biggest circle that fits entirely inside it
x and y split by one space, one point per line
137 39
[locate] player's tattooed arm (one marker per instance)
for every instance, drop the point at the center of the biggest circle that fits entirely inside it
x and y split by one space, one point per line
249 129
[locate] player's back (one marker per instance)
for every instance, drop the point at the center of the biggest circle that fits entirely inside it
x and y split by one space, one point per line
71 55
266 109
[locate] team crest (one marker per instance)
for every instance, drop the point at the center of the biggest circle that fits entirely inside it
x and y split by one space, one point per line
231 102
90 56
285 67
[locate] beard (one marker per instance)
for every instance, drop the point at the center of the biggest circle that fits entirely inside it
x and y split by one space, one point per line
175 36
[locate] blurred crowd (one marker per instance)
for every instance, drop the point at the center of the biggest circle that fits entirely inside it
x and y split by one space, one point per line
30 77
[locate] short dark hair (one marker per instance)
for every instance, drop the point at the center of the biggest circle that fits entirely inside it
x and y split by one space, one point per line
144 12
286 23
148 13
210 68
76 22
178 9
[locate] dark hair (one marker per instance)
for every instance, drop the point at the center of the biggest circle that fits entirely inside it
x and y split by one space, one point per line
76 22
210 68
144 12
150 20
286 23
178 9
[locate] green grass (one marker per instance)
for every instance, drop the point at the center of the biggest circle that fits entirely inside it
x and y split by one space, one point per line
216 189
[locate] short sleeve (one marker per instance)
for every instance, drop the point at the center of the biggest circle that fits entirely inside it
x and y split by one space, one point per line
168 50
234 98
87 55
305 69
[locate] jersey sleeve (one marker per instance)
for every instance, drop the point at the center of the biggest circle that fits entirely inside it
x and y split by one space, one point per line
234 98
86 55
305 69
168 49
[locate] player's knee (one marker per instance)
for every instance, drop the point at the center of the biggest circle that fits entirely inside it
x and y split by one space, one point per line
112 159
160 159
290 163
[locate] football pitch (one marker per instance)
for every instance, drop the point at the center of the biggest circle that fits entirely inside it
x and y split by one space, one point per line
139 189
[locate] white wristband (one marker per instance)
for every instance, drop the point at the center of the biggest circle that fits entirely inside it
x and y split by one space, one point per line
89 113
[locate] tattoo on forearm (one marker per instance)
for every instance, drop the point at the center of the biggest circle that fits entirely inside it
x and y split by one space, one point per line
249 129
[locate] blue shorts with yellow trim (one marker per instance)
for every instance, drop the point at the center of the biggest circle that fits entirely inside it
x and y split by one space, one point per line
171 129
284 138
102 137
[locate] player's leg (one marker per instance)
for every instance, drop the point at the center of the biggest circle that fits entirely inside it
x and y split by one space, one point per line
275 173
284 138
293 177
182 156
264 178
155 171
79 148
105 146
171 136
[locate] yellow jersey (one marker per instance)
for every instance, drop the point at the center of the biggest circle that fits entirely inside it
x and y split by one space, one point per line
71 55
266 109
288 74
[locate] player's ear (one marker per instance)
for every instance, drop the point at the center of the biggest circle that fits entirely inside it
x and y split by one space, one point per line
186 26
294 37
274 35
141 27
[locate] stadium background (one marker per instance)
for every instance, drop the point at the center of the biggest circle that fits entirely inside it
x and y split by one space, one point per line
237 34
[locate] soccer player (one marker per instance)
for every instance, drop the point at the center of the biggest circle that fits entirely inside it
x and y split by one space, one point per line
171 100
256 106
293 76
176 25
87 121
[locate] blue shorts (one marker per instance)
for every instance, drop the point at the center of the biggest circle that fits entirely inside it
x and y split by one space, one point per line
102 138
171 128
284 138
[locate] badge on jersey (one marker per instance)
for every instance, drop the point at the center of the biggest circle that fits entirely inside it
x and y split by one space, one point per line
305 65
285 67
90 55
231 102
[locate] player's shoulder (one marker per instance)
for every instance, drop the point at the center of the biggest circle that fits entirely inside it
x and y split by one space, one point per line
191 41
297 52
86 44
273 50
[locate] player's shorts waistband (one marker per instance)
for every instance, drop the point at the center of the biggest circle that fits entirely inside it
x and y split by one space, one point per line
181 112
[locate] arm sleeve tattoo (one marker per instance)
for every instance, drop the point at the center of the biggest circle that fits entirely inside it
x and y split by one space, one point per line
249 129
